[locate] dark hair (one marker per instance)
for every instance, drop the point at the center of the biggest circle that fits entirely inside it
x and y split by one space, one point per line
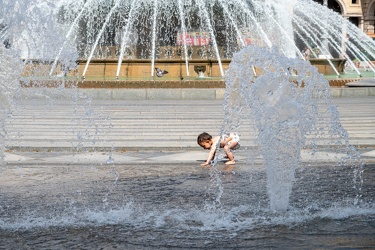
203 137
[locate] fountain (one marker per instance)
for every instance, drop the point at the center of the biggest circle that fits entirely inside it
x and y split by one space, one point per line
284 97
129 39
9 74
272 94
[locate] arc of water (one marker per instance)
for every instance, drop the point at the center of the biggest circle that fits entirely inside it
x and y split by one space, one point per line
239 34
130 19
336 47
104 26
368 44
317 41
343 35
3 36
365 41
3 32
298 23
306 43
335 33
362 55
246 10
75 22
154 37
282 30
353 48
362 44
202 7
308 35
183 27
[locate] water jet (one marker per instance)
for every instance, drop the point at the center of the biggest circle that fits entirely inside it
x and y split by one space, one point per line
69 196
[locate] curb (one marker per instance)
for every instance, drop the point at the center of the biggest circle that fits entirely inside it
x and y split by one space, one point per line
161 93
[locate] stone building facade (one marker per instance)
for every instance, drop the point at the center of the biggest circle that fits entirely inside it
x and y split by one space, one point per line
368 9
359 12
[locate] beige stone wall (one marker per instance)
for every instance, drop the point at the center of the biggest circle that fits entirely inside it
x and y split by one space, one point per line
368 7
351 9
142 68
364 10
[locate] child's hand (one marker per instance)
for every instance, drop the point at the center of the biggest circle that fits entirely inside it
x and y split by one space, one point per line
204 164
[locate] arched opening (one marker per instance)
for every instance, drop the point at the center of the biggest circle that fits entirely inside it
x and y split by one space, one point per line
332 4
354 20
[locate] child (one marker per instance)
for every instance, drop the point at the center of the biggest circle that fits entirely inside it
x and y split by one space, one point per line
227 141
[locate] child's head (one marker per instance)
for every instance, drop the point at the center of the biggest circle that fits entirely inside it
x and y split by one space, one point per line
204 140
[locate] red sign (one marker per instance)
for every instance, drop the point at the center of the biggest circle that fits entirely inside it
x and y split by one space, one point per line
193 38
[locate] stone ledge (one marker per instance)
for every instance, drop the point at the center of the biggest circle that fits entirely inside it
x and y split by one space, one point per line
202 84
341 82
353 92
162 93
154 84
362 83
127 94
125 84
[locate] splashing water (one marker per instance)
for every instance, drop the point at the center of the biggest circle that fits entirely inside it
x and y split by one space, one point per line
285 97
288 100
9 87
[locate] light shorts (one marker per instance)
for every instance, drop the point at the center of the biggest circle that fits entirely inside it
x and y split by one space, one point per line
236 138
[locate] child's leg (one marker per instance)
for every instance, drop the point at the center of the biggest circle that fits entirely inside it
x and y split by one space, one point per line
228 151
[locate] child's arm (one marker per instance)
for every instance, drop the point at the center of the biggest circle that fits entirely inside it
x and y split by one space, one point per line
210 155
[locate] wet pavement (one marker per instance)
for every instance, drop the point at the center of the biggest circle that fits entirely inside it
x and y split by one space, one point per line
172 206
125 175
85 125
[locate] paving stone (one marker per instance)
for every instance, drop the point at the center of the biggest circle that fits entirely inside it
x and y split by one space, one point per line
57 125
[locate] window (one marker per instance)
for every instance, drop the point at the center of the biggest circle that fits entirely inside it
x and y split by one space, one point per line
354 20
354 1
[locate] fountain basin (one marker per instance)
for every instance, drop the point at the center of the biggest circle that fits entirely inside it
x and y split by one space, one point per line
141 68
325 68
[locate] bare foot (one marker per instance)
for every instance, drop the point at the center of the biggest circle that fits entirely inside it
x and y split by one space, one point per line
230 163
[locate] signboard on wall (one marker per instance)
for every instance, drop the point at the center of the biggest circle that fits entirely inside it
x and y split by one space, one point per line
193 38
246 38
